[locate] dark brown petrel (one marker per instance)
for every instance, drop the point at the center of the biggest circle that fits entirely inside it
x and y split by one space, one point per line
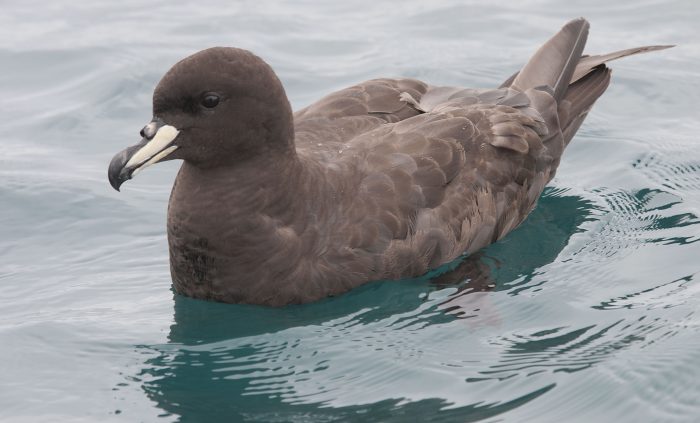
383 180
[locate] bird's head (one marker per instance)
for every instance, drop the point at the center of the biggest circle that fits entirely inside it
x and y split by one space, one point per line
215 108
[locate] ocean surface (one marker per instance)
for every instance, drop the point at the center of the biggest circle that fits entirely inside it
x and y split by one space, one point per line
588 312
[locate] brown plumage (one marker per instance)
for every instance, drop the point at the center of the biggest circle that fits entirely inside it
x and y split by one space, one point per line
383 180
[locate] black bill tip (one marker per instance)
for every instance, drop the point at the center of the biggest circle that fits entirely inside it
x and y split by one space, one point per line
118 172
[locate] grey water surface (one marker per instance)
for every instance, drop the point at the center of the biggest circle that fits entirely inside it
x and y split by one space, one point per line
588 312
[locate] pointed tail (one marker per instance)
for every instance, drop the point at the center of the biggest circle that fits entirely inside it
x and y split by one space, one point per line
554 63
576 80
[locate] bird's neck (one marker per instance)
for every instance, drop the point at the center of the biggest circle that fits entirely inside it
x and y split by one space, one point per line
260 185
228 226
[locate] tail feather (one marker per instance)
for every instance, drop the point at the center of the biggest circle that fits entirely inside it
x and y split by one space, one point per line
588 63
554 63
576 80
579 100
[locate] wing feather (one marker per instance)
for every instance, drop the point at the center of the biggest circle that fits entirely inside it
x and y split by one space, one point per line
437 170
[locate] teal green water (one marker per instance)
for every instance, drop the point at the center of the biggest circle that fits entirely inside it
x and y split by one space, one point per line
587 312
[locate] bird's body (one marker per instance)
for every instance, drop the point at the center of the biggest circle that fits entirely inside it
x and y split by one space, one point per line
379 195
383 180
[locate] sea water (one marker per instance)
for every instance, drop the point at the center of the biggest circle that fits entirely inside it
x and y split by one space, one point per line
587 312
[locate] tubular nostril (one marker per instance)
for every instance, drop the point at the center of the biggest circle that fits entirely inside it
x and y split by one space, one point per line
149 131
143 132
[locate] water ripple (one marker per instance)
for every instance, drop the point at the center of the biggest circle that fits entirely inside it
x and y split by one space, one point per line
586 312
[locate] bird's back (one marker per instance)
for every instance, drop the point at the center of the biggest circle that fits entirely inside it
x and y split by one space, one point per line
424 174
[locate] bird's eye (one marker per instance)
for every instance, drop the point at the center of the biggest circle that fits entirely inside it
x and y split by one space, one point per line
210 100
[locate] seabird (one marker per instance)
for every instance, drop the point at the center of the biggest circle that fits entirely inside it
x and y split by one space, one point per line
382 180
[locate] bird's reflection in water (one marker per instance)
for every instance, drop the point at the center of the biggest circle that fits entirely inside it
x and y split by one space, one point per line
240 363
512 262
